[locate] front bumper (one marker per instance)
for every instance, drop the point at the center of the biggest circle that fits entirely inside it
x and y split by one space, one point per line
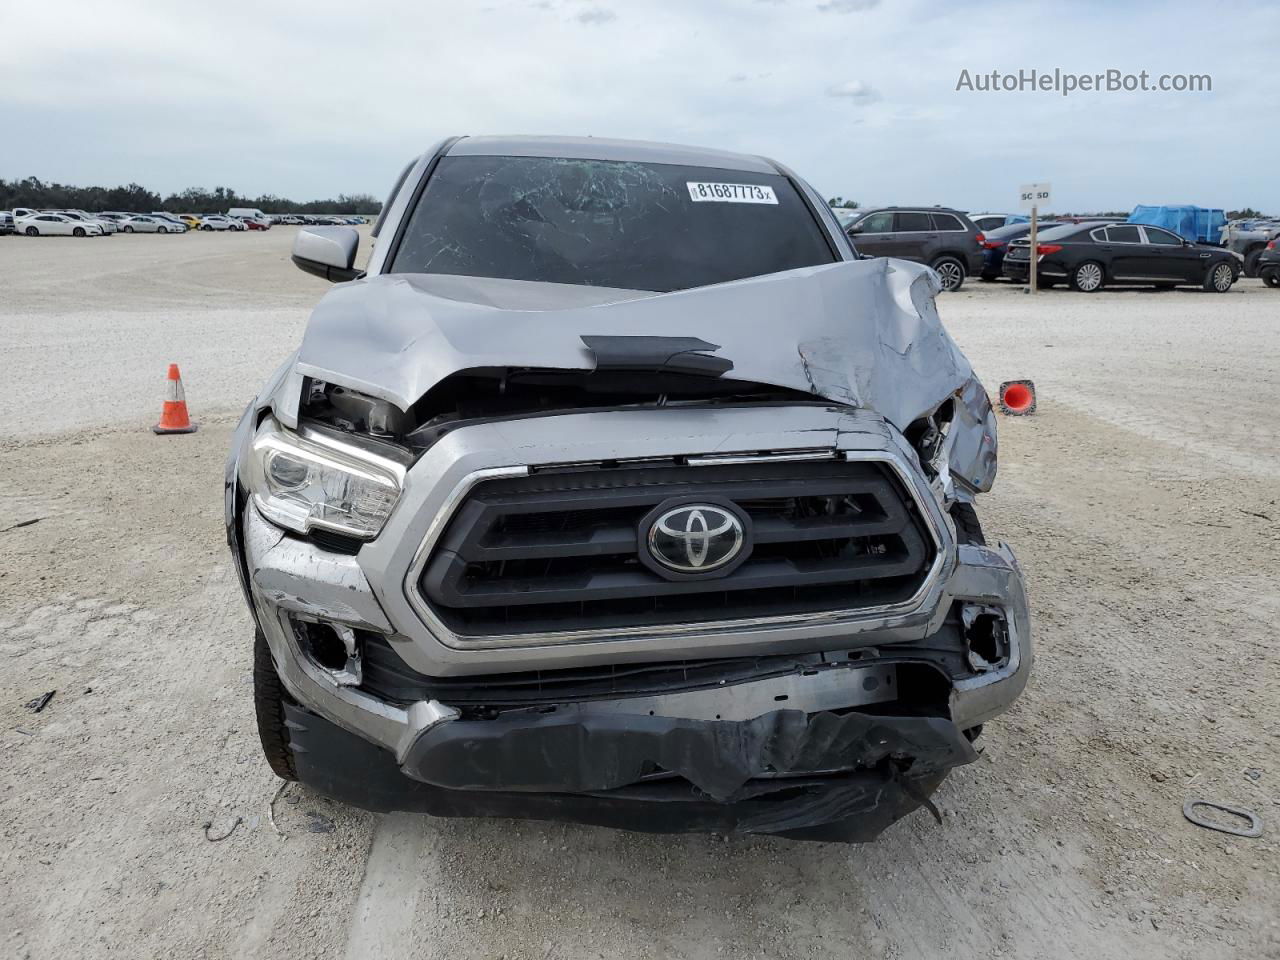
811 752
854 808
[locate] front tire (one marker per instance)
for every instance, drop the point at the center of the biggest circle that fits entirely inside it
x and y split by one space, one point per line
161 230
128 229
1271 276
1219 278
1089 277
78 232
1251 261
950 271
269 698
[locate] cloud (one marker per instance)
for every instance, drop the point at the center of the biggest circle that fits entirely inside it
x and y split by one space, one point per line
847 6
862 94
596 16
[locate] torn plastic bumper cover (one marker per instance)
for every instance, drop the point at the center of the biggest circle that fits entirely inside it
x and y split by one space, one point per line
773 774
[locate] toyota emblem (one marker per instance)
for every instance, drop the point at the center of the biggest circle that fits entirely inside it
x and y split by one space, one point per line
696 538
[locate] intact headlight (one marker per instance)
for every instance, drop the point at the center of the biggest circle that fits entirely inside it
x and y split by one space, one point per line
302 482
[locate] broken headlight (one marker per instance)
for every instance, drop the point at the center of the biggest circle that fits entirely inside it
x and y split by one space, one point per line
308 480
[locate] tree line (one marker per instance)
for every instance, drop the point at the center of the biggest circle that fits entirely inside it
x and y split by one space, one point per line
134 198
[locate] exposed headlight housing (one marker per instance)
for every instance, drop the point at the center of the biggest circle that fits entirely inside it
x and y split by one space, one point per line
308 480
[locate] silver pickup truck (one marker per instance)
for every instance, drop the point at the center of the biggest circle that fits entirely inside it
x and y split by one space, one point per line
616 488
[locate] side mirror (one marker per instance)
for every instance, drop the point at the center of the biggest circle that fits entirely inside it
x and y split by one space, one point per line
327 252
854 228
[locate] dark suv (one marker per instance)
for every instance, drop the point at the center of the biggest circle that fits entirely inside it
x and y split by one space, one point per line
945 239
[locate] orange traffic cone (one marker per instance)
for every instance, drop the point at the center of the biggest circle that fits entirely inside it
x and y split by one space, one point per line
174 419
1018 398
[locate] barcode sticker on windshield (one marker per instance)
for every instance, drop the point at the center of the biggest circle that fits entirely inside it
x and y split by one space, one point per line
731 193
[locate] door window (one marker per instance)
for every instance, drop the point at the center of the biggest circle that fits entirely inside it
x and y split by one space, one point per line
877 223
1162 237
1124 234
946 221
912 222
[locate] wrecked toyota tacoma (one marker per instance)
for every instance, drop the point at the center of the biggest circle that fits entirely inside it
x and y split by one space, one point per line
615 488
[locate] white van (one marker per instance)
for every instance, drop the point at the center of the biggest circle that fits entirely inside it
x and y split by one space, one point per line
249 213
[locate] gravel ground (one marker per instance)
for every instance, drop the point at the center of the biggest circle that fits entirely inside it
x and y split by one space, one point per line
1143 500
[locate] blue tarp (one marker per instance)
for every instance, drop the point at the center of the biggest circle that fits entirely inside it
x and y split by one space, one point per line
1198 224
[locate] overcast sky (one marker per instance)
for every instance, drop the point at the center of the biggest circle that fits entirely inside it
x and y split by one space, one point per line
309 99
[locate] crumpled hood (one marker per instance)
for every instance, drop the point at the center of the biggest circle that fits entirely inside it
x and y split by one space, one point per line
864 333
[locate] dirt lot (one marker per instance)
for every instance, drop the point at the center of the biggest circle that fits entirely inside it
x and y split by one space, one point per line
1143 500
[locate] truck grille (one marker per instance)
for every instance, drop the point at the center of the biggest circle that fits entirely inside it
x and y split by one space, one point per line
560 551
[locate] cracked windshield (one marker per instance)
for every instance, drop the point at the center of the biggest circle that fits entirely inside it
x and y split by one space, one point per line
634 226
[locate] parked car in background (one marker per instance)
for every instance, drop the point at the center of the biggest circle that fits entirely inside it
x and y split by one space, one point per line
179 225
506 558
1249 238
6 222
290 220
248 213
216 221
994 221
945 239
108 225
1089 256
996 241
1268 264
254 223
55 225
141 223
191 220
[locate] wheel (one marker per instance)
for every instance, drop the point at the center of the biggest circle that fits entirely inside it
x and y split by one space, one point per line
269 698
205 226
128 229
1219 278
1251 261
1271 276
968 529
950 271
1088 277
161 230
32 232
78 232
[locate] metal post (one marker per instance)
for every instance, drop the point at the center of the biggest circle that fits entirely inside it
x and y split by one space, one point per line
1034 254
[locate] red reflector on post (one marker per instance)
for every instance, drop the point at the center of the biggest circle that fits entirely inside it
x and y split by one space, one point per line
1018 398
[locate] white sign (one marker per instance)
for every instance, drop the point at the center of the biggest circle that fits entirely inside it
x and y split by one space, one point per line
731 193
1033 195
